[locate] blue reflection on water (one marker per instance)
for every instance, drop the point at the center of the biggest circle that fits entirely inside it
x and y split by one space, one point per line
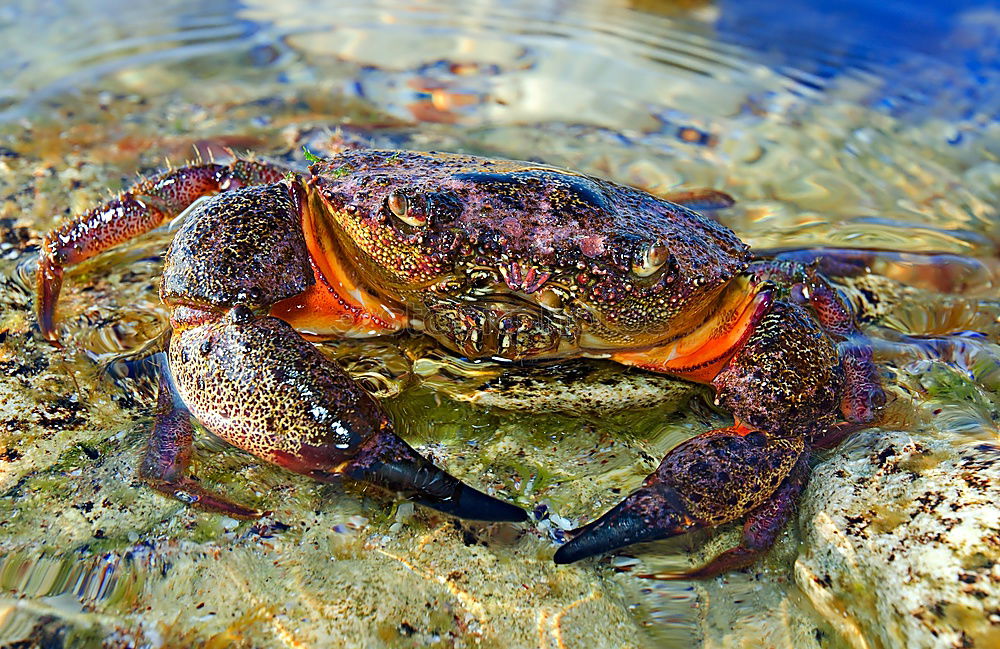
937 58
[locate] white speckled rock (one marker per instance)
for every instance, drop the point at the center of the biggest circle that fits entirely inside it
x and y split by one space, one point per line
902 537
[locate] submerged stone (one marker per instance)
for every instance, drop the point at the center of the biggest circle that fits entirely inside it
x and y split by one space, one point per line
902 541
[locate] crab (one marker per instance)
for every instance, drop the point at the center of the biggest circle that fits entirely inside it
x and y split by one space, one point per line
508 260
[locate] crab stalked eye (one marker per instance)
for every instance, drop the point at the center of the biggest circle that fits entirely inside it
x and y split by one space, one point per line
649 259
397 204
400 206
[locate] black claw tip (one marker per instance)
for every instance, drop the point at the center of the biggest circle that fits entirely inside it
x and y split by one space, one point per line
614 530
400 468
473 504
649 514
566 555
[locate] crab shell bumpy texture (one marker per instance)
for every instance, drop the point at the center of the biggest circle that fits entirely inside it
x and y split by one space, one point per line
702 473
480 229
272 393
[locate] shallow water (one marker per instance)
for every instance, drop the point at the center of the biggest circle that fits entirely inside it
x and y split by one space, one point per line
844 129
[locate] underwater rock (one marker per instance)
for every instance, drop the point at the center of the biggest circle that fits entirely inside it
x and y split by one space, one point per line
577 386
902 541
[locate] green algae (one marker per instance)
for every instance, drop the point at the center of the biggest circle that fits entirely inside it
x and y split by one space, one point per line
949 384
310 156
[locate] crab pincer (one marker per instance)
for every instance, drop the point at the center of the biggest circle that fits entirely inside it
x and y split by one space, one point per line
785 384
692 488
257 384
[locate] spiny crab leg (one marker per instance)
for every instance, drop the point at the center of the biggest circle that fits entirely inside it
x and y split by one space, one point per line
142 208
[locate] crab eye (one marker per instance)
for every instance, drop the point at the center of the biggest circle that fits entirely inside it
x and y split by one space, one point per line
399 205
650 259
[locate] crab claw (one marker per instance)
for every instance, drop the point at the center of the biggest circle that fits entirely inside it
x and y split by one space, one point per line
254 382
390 462
650 513
710 479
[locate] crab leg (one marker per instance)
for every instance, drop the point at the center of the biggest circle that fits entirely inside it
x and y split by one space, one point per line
700 199
168 454
256 383
142 208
